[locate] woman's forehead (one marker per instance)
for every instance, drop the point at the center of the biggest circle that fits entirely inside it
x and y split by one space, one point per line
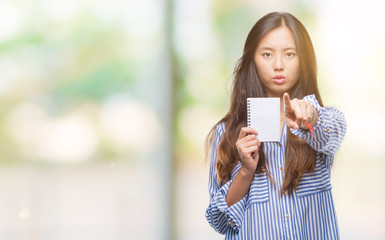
278 38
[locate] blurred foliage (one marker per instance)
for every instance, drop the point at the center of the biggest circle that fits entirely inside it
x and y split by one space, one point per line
60 65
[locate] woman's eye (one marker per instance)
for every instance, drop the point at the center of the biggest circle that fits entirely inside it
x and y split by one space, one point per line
267 54
290 54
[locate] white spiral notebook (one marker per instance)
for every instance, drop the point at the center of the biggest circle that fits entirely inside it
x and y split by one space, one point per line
263 114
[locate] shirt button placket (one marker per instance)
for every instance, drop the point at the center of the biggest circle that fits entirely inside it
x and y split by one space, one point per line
287 217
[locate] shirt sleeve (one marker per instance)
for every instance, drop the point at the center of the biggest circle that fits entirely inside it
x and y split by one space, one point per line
329 131
218 214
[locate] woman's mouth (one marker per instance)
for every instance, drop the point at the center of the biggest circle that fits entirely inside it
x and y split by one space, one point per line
279 79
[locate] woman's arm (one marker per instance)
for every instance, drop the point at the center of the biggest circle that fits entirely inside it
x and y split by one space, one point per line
329 129
247 145
240 186
228 202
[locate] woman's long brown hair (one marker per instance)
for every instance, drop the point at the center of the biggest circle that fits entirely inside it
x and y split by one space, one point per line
299 156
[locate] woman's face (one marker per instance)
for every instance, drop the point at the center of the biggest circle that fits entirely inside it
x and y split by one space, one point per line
277 62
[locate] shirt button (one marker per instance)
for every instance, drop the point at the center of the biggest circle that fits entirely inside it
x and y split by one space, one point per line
287 216
327 130
284 192
232 223
279 144
281 168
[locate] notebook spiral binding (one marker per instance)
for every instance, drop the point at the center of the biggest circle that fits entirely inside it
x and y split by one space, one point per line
248 113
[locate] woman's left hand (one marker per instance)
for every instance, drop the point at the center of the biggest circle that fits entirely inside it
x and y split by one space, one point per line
298 111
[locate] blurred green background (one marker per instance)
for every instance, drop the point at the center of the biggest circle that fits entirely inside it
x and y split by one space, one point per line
104 107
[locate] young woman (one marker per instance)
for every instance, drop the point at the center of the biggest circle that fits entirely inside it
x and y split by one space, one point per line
275 190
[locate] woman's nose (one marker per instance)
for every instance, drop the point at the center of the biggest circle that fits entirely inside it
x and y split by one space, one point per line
278 64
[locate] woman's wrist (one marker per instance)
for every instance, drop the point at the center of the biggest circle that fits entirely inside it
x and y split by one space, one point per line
246 172
313 121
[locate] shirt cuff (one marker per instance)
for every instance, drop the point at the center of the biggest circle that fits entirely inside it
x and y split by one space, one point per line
235 212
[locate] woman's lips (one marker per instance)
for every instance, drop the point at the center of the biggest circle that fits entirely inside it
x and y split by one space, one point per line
279 79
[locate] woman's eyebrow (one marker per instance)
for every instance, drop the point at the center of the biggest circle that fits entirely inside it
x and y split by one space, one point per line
271 49
290 48
266 48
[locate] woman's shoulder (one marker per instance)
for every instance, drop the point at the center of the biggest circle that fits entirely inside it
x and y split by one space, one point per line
220 128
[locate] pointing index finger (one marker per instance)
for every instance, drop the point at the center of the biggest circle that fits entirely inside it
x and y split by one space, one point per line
286 100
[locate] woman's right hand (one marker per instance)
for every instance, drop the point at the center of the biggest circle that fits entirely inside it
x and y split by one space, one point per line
248 146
